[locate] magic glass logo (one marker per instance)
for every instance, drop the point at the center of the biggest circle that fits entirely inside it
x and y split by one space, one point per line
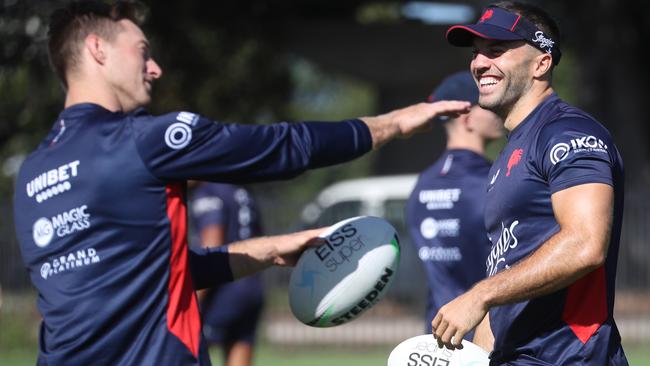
561 150
431 228
63 224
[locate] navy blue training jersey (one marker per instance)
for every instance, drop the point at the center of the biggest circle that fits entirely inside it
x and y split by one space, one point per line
556 147
101 221
230 312
445 219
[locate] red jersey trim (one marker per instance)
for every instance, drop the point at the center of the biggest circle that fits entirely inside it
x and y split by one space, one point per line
183 319
585 309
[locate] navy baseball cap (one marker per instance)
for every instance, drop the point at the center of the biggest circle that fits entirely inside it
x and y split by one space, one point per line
499 24
457 86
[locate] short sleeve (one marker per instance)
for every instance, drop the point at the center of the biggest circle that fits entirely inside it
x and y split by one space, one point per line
574 151
184 145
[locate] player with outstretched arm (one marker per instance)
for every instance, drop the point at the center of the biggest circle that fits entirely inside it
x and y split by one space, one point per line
100 208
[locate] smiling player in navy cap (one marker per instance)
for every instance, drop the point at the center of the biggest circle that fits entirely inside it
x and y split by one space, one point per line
553 212
444 213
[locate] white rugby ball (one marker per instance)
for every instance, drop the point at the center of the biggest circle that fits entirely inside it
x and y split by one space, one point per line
424 350
337 281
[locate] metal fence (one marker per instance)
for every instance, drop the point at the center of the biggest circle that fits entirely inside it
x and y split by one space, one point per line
399 315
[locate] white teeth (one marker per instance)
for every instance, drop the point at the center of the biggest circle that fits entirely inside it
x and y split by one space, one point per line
488 81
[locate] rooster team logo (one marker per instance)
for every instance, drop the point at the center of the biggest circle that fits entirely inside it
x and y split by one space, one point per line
487 15
515 158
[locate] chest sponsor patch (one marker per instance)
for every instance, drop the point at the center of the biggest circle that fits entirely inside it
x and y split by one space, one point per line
60 225
437 199
52 182
72 260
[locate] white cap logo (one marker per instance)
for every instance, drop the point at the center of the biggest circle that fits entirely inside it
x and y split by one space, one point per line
43 231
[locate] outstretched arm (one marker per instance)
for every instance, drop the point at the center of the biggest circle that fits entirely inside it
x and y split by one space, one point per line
213 266
584 214
406 121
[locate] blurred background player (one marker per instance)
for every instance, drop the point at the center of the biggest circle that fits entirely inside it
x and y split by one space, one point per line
222 214
444 213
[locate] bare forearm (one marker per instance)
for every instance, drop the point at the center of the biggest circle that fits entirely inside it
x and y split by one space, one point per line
253 255
584 214
406 121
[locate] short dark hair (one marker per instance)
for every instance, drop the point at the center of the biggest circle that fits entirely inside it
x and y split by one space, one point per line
69 26
535 15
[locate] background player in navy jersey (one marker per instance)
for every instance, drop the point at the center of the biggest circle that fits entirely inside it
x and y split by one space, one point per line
553 211
222 214
100 210
444 213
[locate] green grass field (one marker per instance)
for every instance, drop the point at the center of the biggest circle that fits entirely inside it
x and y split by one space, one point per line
19 324
268 355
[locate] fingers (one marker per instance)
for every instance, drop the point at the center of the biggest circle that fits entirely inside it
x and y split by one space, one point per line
450 108
447 334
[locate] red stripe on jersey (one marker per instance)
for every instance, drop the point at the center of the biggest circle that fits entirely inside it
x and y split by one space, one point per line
585 309
183 319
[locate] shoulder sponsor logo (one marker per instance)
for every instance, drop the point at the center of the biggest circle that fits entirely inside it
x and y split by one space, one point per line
561 150
76 259
507 240
437 199
53 182
63 224
178 135
431 228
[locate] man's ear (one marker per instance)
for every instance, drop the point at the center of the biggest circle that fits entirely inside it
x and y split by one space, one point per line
96 48
543 64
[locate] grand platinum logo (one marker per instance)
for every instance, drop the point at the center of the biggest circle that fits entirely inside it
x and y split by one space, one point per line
76 259
63 224
561 150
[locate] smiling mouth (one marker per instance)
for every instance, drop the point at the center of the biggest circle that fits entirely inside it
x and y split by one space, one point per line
487 83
